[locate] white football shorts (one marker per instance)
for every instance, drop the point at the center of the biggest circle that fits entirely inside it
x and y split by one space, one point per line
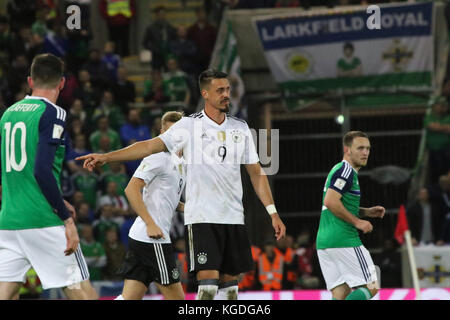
42 249
353 266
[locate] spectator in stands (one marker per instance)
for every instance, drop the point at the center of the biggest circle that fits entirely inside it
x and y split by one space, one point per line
111 60
86 91
85 215
237 98
133 130
40 25
55 41
110 109
157 38
156 127
86 182
203 35
119 203
116 173
77 110
32 288
177 84
67 95
97 69
305 252
249 280
104 129
105 222
77 199
184 50
389 261
20 42
437 125
78 149
93 252
154 91
290 261
129 218
270 267
425 220
115 254
118 15
18 74
125 91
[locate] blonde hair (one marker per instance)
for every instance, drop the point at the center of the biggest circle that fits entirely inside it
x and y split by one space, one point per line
171 116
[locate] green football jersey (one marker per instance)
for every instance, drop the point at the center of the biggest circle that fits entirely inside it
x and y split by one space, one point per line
23 125
333 231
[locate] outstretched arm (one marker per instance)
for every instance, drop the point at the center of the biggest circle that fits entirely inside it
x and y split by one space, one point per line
138 150
262 189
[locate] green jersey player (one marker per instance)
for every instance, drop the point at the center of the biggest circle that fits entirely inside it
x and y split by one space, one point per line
36 225
344 261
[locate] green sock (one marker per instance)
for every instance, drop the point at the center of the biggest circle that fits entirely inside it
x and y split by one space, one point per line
359 294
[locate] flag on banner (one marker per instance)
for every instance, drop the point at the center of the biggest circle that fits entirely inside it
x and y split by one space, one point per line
402 225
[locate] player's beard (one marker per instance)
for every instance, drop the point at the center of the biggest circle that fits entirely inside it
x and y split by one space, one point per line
225 107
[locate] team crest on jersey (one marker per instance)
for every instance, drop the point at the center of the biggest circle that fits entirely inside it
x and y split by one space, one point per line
236 136
175 273
202 258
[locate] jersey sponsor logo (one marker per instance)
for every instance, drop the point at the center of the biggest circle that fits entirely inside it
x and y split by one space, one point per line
175 273
202 258
57 131
340 183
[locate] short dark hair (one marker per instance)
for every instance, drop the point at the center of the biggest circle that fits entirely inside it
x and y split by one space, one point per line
46 70
347 140
349 45
208 75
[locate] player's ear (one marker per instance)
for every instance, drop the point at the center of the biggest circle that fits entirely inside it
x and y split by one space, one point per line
30 82
62 82
204 94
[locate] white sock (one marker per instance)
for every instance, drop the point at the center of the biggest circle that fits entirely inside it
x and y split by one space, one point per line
228 291
207 289
119 298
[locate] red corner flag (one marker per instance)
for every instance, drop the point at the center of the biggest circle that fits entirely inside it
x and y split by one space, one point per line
402 225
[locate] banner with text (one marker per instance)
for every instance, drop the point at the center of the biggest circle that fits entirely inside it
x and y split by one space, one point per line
336 52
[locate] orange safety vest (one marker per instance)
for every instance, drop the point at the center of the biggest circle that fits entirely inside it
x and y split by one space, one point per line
271 274
115 7
248 280
183 267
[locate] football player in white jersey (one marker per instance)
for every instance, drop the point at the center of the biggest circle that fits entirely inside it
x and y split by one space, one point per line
150 258
214 146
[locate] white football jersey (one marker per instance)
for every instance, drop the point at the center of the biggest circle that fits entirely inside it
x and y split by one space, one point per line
213 155
164 175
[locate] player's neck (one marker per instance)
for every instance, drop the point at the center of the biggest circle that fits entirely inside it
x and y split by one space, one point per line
49 94
352 164
214 114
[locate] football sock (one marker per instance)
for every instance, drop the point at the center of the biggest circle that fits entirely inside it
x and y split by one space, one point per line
228 290
359 294
207 289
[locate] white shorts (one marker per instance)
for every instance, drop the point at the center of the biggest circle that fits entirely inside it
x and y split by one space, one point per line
353 266
42 249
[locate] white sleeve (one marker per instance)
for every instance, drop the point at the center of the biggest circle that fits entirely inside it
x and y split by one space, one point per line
250 155
178 135
149 168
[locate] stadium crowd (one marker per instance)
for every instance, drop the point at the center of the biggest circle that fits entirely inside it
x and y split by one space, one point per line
99 100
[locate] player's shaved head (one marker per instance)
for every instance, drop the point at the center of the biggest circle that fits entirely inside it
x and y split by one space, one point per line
205 78
46 71
348 138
